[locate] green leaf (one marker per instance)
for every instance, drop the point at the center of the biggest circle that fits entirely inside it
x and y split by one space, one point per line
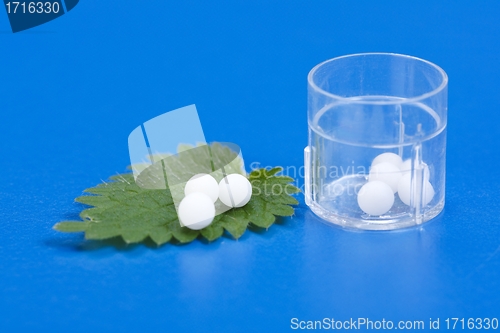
71 226
122 208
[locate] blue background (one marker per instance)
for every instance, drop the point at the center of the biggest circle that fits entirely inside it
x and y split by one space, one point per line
73 89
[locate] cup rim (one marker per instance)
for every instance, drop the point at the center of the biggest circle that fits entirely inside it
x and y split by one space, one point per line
444 81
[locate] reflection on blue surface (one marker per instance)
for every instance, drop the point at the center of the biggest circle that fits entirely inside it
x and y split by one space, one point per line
167 131
161 136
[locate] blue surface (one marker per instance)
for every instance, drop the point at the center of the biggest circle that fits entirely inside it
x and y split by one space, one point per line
73 89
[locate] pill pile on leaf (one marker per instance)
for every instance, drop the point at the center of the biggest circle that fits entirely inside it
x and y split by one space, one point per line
121 208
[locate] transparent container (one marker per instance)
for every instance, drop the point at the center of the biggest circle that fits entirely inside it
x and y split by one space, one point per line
359 107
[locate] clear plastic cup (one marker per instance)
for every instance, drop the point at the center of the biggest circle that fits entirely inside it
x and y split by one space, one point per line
359 107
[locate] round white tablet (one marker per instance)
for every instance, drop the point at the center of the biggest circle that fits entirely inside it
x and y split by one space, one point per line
375 198
404 190
406 167
386 172
235 190
203 183
388 158
196 211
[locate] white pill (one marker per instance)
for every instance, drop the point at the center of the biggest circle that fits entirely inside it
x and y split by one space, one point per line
235 190
375 198
404 190
389 158
196 211
406 167
203 183
386 172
